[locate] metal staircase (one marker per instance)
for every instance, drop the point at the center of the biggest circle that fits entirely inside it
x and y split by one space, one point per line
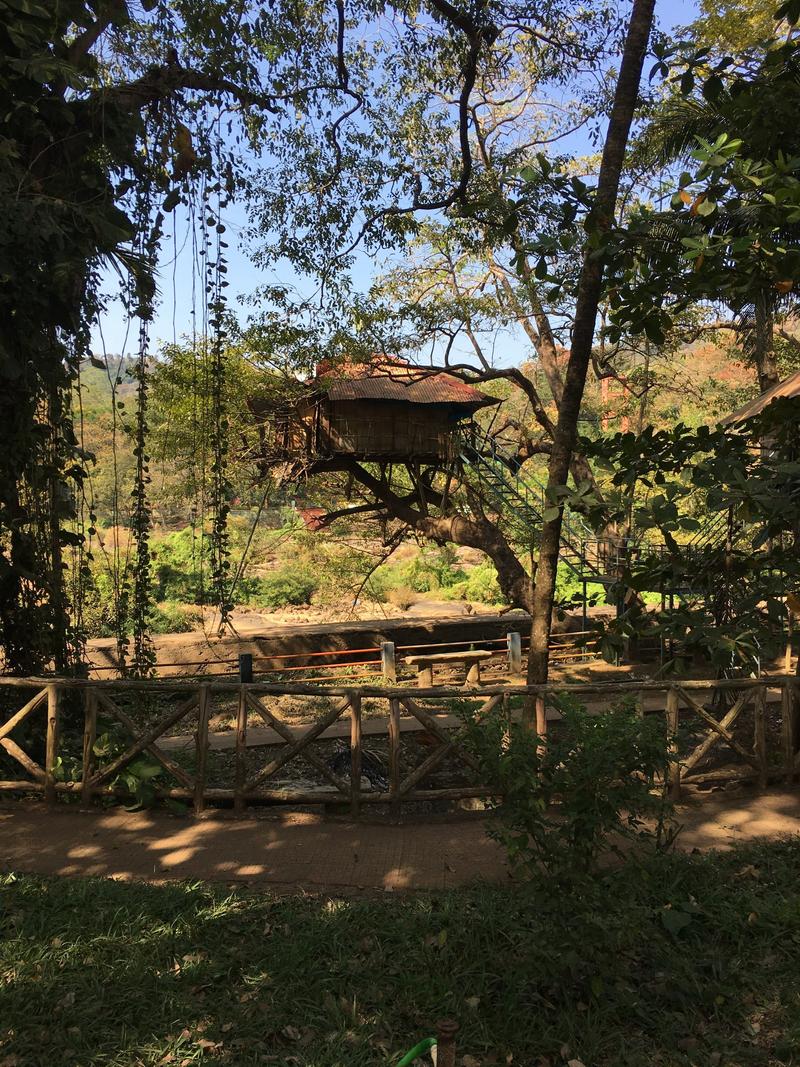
522 500
497 479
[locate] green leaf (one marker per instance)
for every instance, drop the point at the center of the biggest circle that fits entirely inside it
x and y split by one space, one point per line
674 921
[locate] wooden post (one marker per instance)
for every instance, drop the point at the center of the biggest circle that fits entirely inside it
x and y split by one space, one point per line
355 754
446 1030
51 750
89 738
245 667
541 716
240 774
394 758
674 770
388 662
787 659
514 655
506 704
201 749
787 729
760 734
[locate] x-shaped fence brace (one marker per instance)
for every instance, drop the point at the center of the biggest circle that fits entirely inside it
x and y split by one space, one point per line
12 748
298 745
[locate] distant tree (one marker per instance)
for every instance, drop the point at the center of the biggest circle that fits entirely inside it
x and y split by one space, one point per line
730 238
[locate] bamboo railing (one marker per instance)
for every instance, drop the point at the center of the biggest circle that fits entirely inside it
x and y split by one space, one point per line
36 747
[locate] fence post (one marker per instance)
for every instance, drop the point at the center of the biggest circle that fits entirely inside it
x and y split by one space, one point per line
674 768
89 738
201 750
51 749
355 754
788 728
394 758
245 667
787 659
760 735
241 752
541 716
446 1030
388 662
514 654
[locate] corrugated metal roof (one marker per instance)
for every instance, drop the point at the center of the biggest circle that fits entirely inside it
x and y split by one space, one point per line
403 382
789 387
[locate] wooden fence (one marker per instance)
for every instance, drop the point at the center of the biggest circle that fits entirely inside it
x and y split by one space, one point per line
756 720
354 665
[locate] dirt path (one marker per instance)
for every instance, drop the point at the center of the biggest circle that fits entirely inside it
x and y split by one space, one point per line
307 850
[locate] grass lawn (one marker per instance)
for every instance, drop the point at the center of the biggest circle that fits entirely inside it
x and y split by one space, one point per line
684 960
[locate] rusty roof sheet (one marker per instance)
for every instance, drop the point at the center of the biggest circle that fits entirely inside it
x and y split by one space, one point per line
789 387
402 382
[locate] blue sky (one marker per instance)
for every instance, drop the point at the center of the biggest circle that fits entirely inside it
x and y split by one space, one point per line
180 290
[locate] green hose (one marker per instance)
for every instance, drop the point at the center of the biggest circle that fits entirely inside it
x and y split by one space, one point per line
417 1050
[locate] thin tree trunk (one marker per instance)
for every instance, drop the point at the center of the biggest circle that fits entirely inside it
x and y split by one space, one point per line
764 346
588 299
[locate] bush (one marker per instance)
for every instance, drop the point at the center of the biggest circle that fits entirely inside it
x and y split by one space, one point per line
582 793
433 569
480 584
286 586
178 570
402 596
172 618
98 613
569 589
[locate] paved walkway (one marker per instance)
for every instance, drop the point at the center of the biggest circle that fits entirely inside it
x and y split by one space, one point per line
307 850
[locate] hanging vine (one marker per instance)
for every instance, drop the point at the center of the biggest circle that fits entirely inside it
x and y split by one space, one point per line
220 484
148 236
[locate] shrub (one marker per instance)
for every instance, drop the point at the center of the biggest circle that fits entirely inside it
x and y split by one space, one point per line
480 584
98 614
432 569
286 586
569 589
402 596
178 569
590 787
172 618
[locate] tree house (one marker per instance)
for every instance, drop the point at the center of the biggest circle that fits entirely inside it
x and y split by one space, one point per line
387 411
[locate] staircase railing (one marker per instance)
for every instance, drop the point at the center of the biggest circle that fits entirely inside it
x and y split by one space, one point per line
524 501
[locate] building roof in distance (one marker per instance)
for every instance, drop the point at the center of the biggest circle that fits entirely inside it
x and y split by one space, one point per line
789 387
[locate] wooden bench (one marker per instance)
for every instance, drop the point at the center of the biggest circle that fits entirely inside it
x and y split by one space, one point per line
472 661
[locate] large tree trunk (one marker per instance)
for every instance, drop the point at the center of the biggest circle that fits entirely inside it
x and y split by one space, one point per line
514 581
471 532
588 299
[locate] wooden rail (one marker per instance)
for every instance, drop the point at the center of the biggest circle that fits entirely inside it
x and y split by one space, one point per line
50 743
564 648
